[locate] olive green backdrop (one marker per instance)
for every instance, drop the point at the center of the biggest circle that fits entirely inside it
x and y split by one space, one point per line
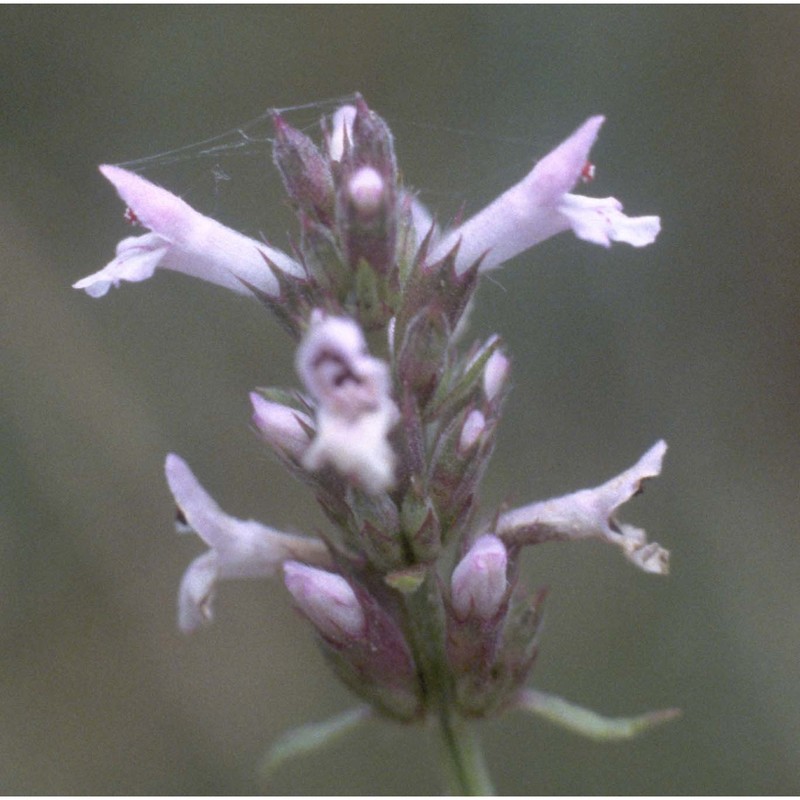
694 339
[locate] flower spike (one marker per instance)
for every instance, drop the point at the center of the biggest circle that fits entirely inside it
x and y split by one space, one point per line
418 607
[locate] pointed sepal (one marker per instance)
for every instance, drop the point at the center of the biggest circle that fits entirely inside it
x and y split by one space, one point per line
588 723
305 171
311 738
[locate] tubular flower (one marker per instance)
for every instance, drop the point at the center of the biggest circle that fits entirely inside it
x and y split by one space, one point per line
590 514
183 240
238 548
540 206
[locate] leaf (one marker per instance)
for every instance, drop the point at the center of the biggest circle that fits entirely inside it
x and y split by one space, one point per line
588 723
308 738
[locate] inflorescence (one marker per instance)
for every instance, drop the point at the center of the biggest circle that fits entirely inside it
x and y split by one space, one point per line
414 596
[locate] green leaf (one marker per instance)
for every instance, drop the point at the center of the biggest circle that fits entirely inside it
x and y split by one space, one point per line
588 723
308 738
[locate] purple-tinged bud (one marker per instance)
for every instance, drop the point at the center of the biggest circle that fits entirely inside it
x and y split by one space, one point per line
305 171
420 522
474 425
282 427
456 472
327 600
372 142
367 216
479 581
419 359
435 291
375 521
367 191
495 374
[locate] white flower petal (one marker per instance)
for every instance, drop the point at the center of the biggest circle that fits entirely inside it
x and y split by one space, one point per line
335 365
196 594
358 449
559 170
343 120
601 221
136 260
355 411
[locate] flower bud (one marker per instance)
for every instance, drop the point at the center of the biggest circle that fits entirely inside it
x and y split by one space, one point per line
342 131
495 374
305 172
474 425
373 142
327 600
367 213
367 191
479 581
282 427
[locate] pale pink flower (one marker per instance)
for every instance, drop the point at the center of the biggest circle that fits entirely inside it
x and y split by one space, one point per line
355 411
591 514
474 426
540 206
341 131
495 374
238 548
183 240
367 191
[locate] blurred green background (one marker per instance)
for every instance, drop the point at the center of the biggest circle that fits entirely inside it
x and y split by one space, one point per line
694 339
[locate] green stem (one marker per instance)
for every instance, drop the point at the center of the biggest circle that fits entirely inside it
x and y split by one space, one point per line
462 758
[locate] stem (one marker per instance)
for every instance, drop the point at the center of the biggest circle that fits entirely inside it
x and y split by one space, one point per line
461 755
462 758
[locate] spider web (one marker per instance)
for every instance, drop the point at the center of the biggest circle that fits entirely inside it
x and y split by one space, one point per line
231 177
